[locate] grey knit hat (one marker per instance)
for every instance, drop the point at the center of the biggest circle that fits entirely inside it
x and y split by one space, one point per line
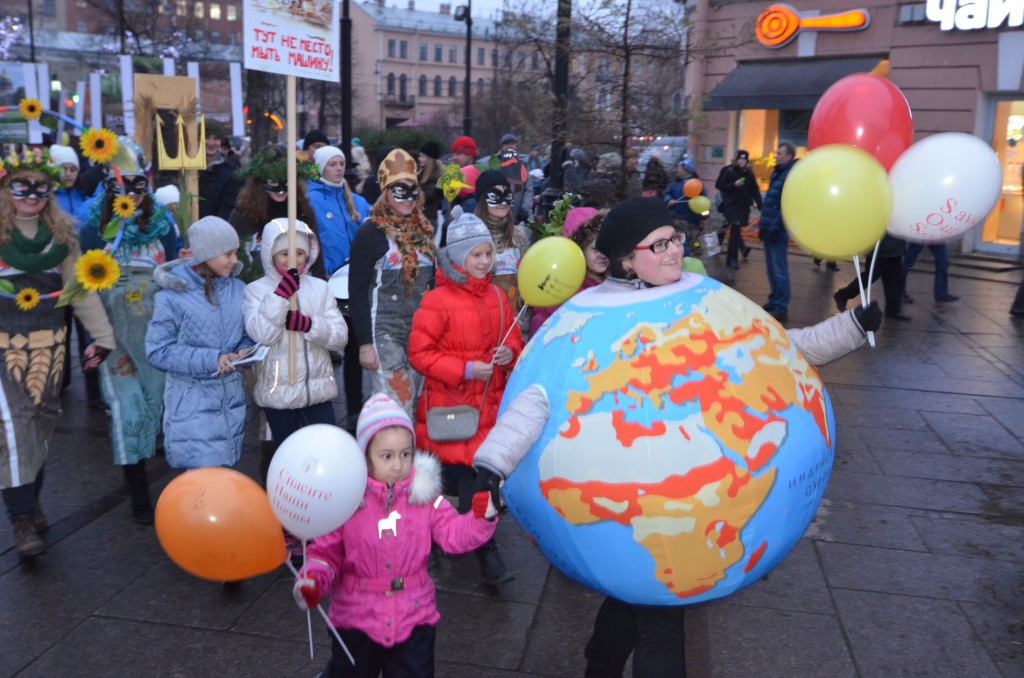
463 234
211 237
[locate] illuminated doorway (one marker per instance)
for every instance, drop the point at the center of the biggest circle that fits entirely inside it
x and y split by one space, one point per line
1002 229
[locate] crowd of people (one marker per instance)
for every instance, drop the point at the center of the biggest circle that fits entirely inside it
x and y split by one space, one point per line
427 311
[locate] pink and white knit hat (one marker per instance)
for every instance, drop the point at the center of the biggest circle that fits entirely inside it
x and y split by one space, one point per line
380 412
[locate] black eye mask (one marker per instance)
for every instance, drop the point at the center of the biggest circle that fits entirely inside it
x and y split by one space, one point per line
23 188
496 197
131 185
404 193
278 187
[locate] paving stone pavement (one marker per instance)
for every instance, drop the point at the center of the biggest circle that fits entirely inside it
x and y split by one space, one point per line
912 566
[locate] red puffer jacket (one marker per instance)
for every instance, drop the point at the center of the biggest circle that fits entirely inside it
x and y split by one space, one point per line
456 324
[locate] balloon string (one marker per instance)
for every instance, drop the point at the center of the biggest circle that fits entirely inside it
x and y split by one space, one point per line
514 323
327 620
309 617
865 297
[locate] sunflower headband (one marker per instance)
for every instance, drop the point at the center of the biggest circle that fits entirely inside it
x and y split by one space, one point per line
37 160
271 165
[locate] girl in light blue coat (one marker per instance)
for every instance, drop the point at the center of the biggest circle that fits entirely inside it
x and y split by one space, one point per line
196 333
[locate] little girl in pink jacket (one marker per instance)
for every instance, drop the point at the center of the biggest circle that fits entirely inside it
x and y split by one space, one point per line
374 567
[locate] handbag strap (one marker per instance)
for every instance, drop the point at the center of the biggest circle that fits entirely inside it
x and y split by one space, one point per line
501 333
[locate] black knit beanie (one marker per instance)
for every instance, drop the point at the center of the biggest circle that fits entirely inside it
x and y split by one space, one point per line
489 180
314 136
628 223
431 149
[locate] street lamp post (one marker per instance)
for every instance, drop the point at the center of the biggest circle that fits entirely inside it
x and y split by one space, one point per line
465 13
31 34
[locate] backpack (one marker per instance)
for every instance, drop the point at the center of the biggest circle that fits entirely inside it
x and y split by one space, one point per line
719 202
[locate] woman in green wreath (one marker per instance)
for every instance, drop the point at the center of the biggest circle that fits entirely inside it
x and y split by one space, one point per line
38 253
129 225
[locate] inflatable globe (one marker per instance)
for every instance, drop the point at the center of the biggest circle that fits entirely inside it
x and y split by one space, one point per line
688 446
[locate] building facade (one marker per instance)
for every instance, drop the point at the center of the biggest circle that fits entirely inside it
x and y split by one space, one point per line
960 65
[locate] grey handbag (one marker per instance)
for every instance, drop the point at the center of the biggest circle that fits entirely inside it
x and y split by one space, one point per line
459 422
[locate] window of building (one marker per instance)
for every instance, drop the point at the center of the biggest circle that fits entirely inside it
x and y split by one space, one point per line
200 35
508 58
81 4
215 37
215 11
604 97
423 51
453 54
391 84
481 56
83 27
438 52
453 87
437 85
233 39
403 49
391 48
912 14
198 10
521 60
650 67
480 85
49 8
535 61
160 8
423 86
232 13
403 91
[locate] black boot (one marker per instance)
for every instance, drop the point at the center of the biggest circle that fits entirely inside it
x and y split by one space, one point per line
138 486
492 568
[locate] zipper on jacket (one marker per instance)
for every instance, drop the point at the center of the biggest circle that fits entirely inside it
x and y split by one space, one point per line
391 497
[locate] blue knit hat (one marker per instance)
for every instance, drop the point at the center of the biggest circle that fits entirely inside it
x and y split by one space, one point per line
381 412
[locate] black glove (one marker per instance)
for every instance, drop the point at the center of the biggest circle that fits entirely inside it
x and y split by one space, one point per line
869 318
486 481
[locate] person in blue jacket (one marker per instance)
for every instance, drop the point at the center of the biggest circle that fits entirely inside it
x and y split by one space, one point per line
339 212
71 196
196 333
772 232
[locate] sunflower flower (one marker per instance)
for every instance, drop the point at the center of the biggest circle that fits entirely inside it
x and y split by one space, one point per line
96 270
27 298
30 108
123 206
98 145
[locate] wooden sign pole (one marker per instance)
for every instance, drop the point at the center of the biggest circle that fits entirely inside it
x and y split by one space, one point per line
292 210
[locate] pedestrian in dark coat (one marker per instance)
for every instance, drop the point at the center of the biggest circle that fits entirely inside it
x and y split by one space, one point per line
773 233
738 186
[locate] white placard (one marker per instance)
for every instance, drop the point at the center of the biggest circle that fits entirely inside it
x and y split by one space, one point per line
302 42
95 101
168 66
35 130
80 106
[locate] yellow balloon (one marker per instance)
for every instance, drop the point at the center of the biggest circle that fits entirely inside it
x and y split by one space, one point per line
700 204
551 271
837 201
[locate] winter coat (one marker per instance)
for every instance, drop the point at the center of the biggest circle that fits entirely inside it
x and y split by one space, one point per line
526 415
681 208
456 324
375 565
265 314
218 188
248 232
204 414
75 202
772 230
736 200
334 223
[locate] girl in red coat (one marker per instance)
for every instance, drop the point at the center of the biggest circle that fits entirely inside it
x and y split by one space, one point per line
456 344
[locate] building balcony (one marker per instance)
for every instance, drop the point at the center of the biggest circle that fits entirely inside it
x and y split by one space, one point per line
396 100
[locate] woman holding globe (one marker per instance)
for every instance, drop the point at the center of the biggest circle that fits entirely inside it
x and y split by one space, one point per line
645 253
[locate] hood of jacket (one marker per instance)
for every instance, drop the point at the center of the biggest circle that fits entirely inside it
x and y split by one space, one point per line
422 486
449 276
271 232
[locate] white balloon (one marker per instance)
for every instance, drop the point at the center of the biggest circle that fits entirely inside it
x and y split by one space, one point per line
316 480
943 186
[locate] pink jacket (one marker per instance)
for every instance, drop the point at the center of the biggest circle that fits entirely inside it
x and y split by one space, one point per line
375 565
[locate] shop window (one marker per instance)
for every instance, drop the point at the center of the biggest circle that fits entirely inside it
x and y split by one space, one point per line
1002 227
913 14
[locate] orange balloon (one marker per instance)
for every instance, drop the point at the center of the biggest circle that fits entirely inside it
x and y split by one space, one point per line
217 524
692 187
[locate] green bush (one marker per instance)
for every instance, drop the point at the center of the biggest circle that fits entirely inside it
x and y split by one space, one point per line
408 139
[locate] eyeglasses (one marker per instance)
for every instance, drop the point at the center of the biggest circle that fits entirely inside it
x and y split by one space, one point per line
496 197
25 188
659 246
404 192
277 187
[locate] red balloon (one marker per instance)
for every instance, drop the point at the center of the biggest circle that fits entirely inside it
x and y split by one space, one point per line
866 111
